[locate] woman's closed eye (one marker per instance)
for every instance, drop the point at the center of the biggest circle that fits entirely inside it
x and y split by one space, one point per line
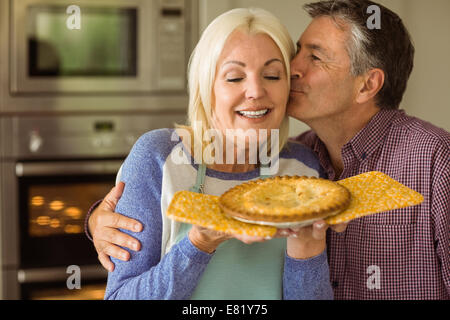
234 79
273 78
267 75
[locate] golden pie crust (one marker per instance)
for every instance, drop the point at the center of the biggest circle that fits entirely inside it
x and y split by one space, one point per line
285 199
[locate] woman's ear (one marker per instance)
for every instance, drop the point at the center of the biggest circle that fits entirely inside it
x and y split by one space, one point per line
371 83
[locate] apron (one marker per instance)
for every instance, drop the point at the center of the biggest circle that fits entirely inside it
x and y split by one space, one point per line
238 271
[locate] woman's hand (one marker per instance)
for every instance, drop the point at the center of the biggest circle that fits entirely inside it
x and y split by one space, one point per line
208 240
310 241
303 243
103 225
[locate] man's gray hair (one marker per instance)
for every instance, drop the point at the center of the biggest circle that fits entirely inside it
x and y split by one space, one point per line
388 48
357 49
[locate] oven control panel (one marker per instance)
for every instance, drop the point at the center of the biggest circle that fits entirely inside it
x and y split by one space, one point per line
82 136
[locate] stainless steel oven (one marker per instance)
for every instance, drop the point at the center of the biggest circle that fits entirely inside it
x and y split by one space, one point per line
54 197
53 168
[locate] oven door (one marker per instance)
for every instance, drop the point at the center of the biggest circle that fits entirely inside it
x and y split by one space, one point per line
54 198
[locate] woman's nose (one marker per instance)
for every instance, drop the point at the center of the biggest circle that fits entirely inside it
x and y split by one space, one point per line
255 89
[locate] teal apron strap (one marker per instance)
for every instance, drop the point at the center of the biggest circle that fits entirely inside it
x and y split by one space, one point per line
197 188
264 176
200 183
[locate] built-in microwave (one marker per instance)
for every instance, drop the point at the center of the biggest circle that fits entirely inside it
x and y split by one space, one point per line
87 47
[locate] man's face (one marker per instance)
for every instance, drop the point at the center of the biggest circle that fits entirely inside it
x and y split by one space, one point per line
322 86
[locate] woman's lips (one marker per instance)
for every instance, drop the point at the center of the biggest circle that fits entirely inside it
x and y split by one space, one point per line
254 119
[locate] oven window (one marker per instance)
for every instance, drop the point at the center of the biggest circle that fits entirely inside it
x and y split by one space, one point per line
60 209
105 45
52 213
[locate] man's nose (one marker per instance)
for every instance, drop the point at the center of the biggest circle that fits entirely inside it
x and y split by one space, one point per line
296 68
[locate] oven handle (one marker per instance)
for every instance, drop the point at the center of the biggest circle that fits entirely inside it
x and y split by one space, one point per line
87 272
62 168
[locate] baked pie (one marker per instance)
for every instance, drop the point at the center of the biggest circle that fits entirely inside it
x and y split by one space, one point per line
284 200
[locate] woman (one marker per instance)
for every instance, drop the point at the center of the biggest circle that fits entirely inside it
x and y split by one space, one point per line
238 79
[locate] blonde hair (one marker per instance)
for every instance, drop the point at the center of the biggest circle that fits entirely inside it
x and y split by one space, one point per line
203 62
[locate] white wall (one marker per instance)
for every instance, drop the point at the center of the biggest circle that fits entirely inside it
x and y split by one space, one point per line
428 93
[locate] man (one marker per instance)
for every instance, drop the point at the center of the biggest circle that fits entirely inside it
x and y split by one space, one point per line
348 82
347 85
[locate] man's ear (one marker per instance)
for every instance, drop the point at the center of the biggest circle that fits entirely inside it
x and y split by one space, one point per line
371 83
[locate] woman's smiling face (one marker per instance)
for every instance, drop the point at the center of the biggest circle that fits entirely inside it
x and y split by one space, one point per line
251 88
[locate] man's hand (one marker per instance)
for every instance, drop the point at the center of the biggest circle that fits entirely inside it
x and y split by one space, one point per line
103 225
307 242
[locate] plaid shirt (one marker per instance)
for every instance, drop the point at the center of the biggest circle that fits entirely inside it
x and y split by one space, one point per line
402 254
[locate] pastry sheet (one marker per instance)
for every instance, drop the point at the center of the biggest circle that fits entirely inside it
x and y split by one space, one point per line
371 193
374 192
203 210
